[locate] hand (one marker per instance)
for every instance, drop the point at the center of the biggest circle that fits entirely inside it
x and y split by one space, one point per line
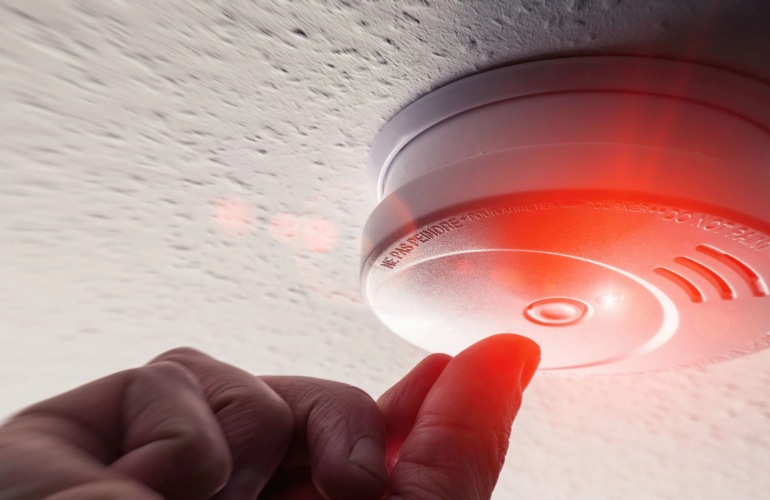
189 427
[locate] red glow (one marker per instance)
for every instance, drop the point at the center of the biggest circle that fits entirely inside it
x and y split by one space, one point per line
713 324
284 227
234 216
392 452
319 234
465 267
503 275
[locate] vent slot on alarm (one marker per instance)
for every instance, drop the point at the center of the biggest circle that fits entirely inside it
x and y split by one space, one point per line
688 286
726 291
755 281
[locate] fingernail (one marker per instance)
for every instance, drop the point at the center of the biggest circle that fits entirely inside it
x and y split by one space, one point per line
529 368
368 453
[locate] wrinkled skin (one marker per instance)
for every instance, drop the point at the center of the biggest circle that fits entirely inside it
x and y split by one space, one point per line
188 427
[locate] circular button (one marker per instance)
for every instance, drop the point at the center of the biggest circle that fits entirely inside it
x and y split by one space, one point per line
556 311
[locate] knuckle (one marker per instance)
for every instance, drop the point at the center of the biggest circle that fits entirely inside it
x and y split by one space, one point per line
203 451
330 397
199 446
179 354
251 412
341 402
165 370
279 415
355 397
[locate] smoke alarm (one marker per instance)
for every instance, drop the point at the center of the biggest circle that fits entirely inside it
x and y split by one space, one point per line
616 210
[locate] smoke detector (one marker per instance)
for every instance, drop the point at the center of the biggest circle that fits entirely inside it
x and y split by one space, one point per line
614 209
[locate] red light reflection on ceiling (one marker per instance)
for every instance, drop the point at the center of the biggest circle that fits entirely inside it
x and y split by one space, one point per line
319 234
234 216
284 227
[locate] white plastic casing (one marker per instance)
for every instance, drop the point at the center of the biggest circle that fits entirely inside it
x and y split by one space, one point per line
615 210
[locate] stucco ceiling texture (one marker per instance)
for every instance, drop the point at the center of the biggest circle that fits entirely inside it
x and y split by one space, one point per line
193 173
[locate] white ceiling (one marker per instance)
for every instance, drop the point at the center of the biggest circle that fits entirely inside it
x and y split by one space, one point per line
146 146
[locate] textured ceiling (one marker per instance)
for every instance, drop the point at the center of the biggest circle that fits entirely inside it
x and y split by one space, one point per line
192 173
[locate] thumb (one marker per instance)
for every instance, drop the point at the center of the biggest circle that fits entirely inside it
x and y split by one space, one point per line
458 444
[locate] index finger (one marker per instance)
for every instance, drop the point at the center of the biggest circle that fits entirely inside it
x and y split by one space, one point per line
458 444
